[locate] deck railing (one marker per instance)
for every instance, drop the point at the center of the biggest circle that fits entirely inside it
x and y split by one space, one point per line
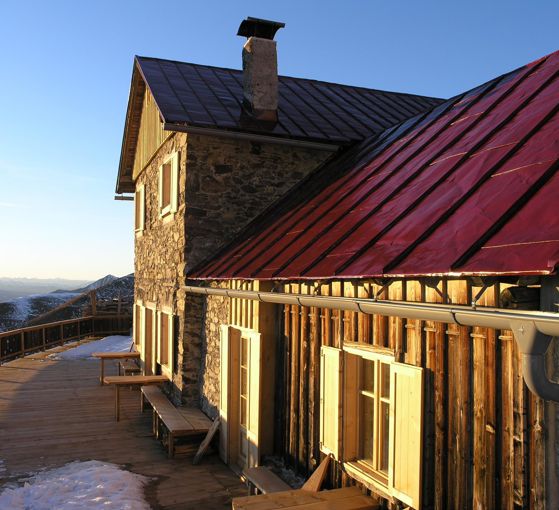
22 341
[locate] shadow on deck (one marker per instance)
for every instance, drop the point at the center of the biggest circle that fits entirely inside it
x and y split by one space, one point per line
55 412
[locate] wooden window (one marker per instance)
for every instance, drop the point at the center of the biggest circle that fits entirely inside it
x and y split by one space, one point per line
168 185
377 432
165 341
139 209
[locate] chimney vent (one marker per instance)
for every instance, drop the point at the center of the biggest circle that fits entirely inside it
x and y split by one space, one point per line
260 69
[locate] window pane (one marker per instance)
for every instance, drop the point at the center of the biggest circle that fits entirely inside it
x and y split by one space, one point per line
367 428
385 380
164 340
384 436
244 351
368 375
243 405
166 183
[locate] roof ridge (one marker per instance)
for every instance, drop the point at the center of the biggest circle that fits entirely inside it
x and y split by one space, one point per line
288 77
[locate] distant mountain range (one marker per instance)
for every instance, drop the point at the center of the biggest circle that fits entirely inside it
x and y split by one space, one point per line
62 304
11 288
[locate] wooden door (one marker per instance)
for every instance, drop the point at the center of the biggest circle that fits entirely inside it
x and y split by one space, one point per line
240 397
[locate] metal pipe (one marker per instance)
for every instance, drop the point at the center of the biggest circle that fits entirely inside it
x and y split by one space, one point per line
532 329
252 137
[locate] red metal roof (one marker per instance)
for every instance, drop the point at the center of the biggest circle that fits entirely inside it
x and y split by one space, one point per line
467 188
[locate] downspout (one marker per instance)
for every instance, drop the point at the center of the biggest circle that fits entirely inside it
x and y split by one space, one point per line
532 330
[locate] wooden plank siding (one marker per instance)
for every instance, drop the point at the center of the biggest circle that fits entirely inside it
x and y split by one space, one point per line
483 430
150 136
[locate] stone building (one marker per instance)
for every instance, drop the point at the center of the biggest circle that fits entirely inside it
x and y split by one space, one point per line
344 271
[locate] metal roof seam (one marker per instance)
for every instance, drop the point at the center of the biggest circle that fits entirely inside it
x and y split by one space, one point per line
398 259
187 82
441 179
394 192
517 205
312 107
320 92
214 94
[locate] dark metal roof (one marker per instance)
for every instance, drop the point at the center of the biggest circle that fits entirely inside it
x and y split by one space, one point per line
211 97
468 188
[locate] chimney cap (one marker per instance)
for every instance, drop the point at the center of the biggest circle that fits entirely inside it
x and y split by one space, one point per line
256 27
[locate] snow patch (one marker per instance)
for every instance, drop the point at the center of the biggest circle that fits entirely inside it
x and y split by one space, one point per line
22 308
115 343
91 485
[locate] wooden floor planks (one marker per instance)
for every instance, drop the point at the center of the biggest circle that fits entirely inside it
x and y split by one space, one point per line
54 412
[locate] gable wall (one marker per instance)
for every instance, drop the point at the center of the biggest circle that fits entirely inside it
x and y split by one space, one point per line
159 264
229 182
150 136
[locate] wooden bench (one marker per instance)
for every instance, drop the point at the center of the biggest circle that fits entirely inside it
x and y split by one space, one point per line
348 498
179 421
128 367
131 380
112 356
264 480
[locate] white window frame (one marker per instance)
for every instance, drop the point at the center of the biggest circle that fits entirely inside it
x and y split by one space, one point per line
139 201
166 368
357 466
168 210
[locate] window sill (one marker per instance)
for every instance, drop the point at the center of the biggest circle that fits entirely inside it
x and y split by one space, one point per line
361 474
167 216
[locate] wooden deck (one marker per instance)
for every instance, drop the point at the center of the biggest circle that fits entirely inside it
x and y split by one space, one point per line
54 412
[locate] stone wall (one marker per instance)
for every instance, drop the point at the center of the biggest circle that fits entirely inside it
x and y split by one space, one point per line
216 313
223 185
159 257
229 182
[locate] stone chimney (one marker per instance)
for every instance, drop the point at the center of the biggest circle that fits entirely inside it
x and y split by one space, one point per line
260 69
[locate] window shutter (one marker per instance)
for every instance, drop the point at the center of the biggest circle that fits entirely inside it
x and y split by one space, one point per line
170 342
351 407
406 433
254 400
330 386
174 182
224 392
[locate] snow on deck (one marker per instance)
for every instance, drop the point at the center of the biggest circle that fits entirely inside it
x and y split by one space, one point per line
115 343
89 485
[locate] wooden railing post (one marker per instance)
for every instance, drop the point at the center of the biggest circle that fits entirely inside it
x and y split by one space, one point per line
44 330
61 332
79 331
22 340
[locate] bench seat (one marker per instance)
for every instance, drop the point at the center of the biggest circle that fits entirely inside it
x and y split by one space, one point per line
264 480
179 421
129 367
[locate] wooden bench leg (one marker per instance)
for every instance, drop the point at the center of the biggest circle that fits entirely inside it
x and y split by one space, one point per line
101 379
171 445
117 402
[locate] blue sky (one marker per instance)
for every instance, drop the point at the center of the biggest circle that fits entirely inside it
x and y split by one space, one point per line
65 72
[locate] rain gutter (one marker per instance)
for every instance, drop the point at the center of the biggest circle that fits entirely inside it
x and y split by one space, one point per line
532 330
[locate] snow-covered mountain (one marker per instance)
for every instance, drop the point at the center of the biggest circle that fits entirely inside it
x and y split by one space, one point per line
62 304
12 288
